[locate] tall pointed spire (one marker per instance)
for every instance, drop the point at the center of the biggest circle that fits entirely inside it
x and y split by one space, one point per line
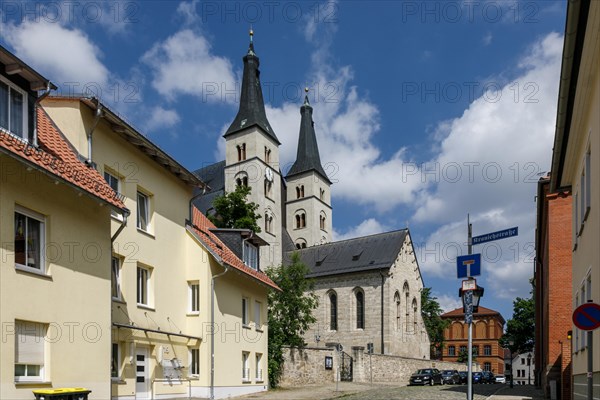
252 106
307 158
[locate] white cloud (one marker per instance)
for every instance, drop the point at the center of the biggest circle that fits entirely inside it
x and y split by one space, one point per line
447 302
184 64
367 227
161 118
63 55
187 11
499 147
487 39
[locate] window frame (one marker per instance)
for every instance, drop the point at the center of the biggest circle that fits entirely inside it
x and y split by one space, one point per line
12 87
257 314
194 362
41 219
258 373
251 255
194 297
245 311
333 311
41 330
115 358
245 366
146 286
116 284
109 179
360 309
145 196
453 352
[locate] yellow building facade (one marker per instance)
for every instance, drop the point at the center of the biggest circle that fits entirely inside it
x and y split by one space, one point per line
162 270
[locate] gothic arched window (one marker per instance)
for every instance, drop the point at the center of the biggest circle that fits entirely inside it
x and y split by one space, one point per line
360 309
333 307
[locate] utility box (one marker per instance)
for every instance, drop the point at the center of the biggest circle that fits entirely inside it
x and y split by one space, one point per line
62 394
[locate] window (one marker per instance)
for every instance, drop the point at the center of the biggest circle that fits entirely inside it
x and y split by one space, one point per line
245 367
451 350
398 311
115 364
487 350
322 221
475 350
463 349
300 220
322 194
301 244
268 188
143 285
245 311
251 255
268 223
29 239
116 278
333 311
194 367
267 155
360 309
522 361
414 315
241 151
143 221
487 366
257 314
194 293
300 191
115 185
13 109
259 371
29 351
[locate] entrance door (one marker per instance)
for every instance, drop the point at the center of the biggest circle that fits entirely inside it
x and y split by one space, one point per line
142 380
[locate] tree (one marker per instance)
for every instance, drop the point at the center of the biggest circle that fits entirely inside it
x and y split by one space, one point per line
290 311
463 356
521 327
435 325
232 210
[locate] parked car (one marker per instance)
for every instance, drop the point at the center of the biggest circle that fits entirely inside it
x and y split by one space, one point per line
426 376
500 379
477 377
451 376
463 376
487 377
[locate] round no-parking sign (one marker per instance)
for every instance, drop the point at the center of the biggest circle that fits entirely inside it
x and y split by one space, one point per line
587 316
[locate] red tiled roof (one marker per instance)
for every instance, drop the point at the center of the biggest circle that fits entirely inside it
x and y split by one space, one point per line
55 155
459 312
202 226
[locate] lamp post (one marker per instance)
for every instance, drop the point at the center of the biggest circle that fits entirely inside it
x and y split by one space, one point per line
529 369
510 346
471 294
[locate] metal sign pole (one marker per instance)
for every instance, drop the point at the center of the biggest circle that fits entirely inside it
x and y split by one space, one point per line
590 363
469 316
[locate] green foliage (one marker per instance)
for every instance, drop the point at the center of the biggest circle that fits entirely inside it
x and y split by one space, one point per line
463 356
290 311
431 311
232 210
521 327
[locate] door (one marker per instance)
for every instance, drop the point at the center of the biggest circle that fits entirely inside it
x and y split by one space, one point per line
142 376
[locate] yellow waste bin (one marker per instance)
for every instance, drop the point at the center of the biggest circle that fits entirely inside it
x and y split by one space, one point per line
62 394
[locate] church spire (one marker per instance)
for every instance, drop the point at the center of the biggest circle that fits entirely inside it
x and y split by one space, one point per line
307 158
252 107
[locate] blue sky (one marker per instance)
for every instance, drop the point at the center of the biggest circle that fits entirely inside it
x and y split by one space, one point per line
424 110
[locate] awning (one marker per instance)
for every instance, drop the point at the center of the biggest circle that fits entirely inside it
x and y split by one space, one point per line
139 328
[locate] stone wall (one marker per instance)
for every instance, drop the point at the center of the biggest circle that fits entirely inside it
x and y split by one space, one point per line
307 366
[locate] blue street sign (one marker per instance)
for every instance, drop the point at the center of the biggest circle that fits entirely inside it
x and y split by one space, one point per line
587 316
469 265
488 237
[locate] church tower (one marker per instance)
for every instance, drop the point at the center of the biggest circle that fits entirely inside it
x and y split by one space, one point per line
252 159
308 203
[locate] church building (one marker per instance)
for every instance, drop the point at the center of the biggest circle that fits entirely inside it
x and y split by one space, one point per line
369 287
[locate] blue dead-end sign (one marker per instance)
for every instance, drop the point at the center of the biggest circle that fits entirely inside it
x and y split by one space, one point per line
469 265
587 316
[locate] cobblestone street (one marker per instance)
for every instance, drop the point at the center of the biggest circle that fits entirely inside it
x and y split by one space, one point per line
354 391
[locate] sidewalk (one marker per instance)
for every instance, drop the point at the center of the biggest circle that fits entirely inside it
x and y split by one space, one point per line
519 392
312 392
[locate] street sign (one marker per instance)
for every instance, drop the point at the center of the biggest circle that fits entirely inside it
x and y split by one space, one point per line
469 284
469 265
587 316
488 237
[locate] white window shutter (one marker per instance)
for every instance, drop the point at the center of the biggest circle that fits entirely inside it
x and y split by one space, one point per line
30 343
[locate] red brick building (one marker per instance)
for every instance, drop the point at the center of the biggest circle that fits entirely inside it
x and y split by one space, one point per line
553 307
487 329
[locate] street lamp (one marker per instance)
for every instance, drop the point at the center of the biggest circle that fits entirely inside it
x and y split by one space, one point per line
471 294
529 369
510 347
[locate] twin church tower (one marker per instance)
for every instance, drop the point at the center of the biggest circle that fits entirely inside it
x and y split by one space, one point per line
296 209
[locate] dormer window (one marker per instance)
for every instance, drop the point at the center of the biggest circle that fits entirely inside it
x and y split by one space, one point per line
13 109
251 255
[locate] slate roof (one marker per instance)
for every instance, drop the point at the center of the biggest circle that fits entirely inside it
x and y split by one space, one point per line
458 313
202 229
307 156
55 156
361 254
252 106
214 176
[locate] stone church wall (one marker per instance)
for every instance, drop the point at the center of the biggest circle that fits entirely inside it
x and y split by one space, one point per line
307 366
